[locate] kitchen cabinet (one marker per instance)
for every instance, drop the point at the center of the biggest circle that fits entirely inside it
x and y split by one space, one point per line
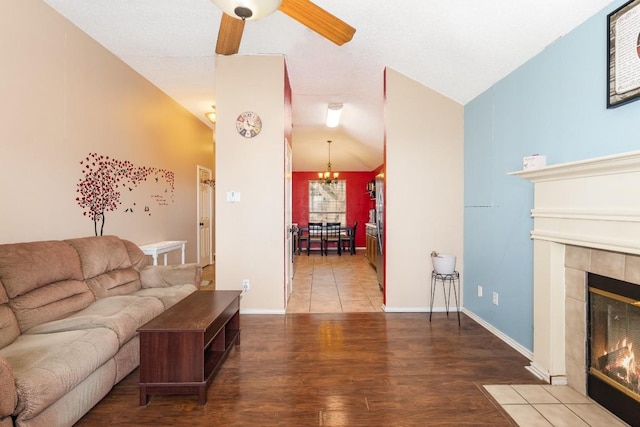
371 244
371 189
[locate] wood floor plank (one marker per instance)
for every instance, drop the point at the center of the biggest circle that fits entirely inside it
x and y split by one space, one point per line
350 369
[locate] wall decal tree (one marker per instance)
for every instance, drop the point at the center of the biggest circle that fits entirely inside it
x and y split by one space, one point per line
102 176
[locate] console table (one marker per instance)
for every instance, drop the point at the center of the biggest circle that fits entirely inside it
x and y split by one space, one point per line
183 348
155 249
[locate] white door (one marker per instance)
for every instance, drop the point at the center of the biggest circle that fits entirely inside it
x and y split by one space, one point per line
288 256
205 209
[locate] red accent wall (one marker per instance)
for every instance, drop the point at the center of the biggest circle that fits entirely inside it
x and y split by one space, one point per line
358 200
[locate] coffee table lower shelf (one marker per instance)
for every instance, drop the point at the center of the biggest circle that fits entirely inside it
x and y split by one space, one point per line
182 349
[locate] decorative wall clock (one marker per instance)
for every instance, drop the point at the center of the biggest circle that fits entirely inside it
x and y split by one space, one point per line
248 124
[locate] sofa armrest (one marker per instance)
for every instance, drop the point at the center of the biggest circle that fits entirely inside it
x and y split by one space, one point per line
8 390
161 276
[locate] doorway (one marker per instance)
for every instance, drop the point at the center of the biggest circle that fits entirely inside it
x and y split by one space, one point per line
205 209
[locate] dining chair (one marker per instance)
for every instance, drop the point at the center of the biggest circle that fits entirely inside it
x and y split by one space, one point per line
332 236
348 239
314 236
302 239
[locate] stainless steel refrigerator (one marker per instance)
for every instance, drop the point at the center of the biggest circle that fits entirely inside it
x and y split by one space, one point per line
380 229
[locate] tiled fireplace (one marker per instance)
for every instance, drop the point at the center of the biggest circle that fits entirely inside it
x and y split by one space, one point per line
579 262
586 220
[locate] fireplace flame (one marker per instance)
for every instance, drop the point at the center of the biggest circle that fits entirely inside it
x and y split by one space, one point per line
621 364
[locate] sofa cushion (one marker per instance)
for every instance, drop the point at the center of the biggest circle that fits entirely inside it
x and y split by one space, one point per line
4 298
28 266
106 266
7 389
48 366
100 254
51 302
9 329
137 257
122 314
160 276
43 280
113 283
71 407
169 295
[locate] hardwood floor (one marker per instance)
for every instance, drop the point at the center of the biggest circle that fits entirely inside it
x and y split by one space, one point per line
341 369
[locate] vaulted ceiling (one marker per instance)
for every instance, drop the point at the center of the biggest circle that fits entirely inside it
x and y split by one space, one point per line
456 47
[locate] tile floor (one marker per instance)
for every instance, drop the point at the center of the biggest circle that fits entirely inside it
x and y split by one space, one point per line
550 406
334 284
327 284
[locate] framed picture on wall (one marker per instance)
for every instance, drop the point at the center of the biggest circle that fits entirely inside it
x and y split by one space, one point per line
623 50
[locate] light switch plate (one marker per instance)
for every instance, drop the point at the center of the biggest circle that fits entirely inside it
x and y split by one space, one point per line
233 196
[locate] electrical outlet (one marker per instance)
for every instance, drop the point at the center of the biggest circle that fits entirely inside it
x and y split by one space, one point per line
245 285
495 298
479 290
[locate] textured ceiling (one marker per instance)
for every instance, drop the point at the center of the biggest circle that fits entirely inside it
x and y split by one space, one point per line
456 47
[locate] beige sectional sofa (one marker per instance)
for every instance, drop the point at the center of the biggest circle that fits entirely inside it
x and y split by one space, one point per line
69 311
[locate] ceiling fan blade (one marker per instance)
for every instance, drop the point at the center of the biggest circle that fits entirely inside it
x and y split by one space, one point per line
319 20
229 35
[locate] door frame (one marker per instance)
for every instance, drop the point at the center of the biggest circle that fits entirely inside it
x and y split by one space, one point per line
288 255
211 189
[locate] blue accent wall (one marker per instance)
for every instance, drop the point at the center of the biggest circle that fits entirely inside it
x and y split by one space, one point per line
555 104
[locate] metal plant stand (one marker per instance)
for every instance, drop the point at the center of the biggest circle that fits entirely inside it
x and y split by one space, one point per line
453 280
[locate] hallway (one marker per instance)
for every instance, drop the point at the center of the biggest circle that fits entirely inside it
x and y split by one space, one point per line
334 284
327 284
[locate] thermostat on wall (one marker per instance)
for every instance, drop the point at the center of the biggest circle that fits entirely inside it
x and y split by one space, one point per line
233 196
534 161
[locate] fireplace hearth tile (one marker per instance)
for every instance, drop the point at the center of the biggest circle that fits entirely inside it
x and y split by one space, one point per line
609 264
595 415
505 395
535 394
560 415
570 407
632 269
526 416
577 257
566 394
575 281
575 373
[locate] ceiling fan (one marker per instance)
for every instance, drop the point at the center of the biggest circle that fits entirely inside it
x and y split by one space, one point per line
236 12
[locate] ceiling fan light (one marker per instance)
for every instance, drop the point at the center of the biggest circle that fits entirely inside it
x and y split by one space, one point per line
249 10
333 115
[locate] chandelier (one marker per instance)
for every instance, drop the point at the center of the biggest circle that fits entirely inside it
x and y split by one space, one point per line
328 177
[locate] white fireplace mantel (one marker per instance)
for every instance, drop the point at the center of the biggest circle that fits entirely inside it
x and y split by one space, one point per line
614 164
594 203
591 203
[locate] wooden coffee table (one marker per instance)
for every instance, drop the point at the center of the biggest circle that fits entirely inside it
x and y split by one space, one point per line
183 348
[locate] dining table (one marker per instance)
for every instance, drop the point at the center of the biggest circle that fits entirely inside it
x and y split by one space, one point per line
345 232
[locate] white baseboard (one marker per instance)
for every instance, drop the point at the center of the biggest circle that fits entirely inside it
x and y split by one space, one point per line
388 309
559 380
509 341
416 309
535 370
261 311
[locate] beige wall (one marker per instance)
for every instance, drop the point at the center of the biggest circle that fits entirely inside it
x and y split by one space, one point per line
250 234
65 96
424 188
